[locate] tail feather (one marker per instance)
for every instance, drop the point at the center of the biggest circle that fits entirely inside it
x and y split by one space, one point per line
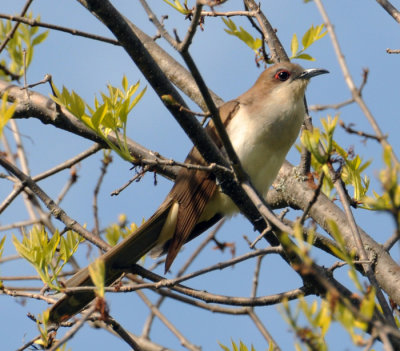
121 256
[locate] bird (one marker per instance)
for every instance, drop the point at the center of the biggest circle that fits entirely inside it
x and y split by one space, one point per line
262 125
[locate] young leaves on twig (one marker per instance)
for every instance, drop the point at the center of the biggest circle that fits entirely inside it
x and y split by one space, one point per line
110 115
115 232
41 252
325 150
24 39
312 35
6 111
176 4
97 274
389 177
243 35
242 347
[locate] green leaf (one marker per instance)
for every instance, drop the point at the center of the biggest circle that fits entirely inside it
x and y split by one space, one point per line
294 45
234 347
137 99
178 6
124 83
77 105
98 116
242 34
108 115
243 347
223 347
2 241
305 57
40 38
387 155
6 111
97 274
308 37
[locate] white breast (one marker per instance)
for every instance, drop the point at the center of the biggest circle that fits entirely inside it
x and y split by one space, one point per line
261 142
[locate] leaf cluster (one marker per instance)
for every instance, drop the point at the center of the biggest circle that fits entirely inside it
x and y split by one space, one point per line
241 347
110 115
47 256
325 151
21 44
312 35
6 111
115 232
97 273
176 4
319 318
389 200
243 35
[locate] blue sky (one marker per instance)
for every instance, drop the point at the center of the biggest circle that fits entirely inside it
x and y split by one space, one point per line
229 69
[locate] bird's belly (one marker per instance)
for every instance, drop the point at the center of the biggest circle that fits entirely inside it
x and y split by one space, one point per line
261 144
261 165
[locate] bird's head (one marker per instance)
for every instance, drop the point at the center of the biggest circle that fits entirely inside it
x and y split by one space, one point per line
288 79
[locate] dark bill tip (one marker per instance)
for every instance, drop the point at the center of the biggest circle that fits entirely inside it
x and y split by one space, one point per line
312 72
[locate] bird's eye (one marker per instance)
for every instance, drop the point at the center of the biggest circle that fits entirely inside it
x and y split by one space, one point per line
282 75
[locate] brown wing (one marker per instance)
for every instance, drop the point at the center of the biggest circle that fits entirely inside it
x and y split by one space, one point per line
193 189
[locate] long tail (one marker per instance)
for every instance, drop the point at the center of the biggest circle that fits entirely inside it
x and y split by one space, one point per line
126 253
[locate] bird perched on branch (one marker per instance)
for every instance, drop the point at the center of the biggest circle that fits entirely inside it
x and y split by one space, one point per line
262 125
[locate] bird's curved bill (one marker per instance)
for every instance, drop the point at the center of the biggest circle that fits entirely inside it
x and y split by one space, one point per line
312 72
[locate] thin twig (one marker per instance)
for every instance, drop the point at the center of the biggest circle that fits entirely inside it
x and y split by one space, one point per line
265 232
184 342
264 332
14 293
135 178
71 181
227 13
349 80
9 258
221 265
182 270
160 26
187 41
55 210
104 164
67 164
24 165
256 276
46 79
212 167
363 254
35 23
314 198
391 241
117 328
349 129
9 73
11 33
393 51
78 325
390 9
32 277
346 102
228 300
19 224
278 53
175 281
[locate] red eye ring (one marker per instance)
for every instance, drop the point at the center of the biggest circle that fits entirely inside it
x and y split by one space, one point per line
282 75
